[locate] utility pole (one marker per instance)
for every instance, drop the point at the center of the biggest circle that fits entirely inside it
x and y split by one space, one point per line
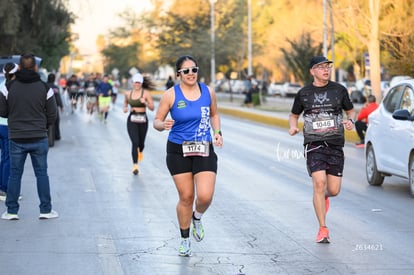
213 54
325 31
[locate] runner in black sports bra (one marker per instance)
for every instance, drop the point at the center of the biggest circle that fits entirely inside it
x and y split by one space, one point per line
138 100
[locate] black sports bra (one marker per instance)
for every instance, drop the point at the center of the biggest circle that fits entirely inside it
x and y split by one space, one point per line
136 103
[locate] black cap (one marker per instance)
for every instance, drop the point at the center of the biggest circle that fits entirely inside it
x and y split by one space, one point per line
318 60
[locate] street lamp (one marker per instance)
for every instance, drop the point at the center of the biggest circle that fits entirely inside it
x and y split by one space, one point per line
213 55
325 31
249 38
328 5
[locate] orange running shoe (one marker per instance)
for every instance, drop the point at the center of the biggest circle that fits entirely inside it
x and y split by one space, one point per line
323 235
326 204
135 169
140 156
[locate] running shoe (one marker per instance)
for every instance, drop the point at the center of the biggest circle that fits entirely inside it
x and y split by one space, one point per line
326 204
140 156
198 230
135 169
51 215
323 235
185 248
10 217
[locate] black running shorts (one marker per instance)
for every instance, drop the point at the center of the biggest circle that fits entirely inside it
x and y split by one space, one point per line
178 164
328 158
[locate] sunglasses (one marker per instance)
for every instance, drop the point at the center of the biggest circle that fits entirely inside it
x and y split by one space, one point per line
187 70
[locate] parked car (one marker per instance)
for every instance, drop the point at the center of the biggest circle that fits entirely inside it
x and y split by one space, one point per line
16 59
239 86
356 95
222 86
389 140
399 78
275 88
290 89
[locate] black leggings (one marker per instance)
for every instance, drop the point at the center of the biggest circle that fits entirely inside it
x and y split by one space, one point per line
137 133
361 128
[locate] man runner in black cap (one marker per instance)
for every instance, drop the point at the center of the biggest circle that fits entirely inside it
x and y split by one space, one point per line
322 103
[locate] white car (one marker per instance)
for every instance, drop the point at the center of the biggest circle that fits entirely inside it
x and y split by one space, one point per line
389 140
275 88
291 89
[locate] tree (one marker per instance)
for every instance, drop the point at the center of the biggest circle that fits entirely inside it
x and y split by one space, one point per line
183 27
38 26
130 46
397 39
121 57
184 31
361 19
298 55
278 22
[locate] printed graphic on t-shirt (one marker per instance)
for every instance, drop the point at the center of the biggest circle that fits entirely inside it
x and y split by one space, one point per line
73 88
321 98
323 120
90 90
204 126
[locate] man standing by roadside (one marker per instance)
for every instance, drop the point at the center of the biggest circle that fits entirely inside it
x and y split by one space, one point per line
30 107
361 124
322 103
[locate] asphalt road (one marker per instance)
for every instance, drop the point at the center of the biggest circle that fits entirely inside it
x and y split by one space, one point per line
261 220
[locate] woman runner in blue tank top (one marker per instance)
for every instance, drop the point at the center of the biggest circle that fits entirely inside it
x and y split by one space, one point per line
191 159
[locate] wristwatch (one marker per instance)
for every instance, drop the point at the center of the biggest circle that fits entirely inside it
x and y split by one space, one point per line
352 120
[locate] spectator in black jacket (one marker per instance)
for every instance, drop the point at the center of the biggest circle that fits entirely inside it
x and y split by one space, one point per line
9 70
170 82
30 107
51 78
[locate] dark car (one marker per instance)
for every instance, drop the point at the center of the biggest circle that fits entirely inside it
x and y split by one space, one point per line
357 97
15 59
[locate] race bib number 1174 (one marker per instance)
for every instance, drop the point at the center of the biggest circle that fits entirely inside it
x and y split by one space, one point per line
196 148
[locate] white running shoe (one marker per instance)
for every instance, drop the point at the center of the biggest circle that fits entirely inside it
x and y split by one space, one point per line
51 215
10 217
185 248
198 230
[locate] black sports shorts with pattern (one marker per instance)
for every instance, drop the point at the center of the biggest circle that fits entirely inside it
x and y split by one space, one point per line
324 157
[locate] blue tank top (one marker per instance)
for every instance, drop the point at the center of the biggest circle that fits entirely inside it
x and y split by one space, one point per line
191 117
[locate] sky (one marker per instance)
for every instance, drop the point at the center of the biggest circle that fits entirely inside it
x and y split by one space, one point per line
97 17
